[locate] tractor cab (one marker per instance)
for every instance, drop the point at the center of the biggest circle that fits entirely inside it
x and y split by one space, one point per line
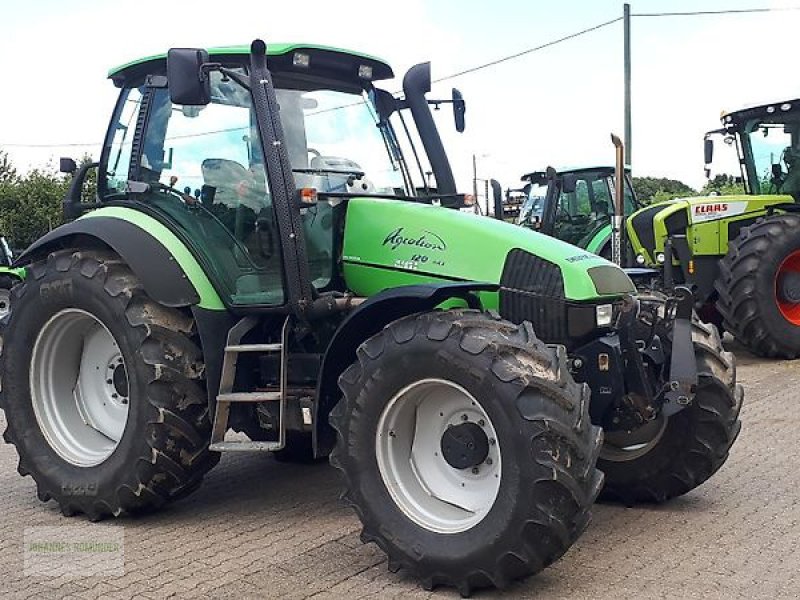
575 205
767 143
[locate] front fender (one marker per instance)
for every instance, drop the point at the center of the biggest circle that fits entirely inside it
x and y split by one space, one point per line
364 322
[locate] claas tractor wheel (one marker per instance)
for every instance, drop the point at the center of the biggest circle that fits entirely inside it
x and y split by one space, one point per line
759 287
102 388
466 449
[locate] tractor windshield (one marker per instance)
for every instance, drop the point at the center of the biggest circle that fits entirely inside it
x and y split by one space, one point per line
772 149
335 144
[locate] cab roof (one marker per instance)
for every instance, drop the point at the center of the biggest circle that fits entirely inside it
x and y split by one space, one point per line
759 110
582 169
346 61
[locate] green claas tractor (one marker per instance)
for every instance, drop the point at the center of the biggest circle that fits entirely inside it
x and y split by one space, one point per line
740 253
575 205
9 276
260 272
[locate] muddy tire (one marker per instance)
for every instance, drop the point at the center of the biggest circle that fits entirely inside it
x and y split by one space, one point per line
673 455
102 389
501 441
759 287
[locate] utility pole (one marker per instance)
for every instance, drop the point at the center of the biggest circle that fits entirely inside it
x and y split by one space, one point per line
626 22
474 177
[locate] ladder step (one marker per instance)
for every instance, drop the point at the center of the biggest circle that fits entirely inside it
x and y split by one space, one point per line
245 446
249 397
254 348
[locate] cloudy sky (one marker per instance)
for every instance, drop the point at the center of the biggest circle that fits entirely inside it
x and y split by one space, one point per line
556 106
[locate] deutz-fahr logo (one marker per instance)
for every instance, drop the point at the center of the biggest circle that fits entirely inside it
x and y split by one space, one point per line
426 241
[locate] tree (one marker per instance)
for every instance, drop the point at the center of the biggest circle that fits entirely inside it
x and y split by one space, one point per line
30 206
657 189
7 170
724 185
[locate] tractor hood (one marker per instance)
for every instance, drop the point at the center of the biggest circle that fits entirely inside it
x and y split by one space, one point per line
390 243
707 221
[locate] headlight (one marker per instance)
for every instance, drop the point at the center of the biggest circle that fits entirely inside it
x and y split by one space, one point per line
660 258
639 259
604 314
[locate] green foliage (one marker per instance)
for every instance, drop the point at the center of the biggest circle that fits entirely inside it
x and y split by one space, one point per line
7 170
657 189
724 185
30 205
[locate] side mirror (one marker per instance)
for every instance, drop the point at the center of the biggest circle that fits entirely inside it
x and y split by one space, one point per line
459 109
188 83
708 150
67 165
569 183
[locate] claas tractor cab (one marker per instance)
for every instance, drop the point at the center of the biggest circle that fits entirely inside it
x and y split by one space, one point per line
740 253
576 205
261 272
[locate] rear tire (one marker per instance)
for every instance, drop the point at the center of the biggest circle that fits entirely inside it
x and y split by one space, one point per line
674 455
162 448
749 298
444 366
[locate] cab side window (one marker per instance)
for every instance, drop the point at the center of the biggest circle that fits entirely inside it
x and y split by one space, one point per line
121 142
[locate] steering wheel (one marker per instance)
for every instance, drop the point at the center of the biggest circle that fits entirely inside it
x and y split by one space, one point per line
316 153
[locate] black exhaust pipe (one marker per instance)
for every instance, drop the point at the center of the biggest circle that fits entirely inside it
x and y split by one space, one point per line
417 83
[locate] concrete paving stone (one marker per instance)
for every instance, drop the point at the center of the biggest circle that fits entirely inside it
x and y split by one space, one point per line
261 529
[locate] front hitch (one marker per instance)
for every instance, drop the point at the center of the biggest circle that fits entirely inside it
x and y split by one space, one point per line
680 389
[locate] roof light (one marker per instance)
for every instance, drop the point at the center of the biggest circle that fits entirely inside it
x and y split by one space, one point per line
365 71
301 60
786 106
770 109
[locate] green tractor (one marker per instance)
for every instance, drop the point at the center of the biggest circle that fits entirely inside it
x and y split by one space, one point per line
259 272
575 205
9 276
740 253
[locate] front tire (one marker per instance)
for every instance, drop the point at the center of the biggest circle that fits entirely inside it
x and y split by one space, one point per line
671 456
759 287
466 449
102 389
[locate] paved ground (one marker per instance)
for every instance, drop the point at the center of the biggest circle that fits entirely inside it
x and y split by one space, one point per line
258 528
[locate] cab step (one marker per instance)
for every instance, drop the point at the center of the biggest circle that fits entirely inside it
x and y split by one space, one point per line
227 396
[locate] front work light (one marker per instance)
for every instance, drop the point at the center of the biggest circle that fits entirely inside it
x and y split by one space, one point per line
604 315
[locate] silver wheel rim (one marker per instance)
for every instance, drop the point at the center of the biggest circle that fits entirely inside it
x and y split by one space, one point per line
5 302
79 387
621 446
423 485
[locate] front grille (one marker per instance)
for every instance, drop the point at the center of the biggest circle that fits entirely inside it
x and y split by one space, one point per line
532 289
530 273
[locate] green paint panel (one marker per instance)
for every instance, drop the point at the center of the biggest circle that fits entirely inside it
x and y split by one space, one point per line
599 240
209 299
18 273
389 243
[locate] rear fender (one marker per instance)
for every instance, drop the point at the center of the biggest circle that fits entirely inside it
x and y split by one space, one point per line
168 272
364 322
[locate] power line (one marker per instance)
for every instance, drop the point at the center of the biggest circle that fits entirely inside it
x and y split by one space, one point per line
715 12
529 50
